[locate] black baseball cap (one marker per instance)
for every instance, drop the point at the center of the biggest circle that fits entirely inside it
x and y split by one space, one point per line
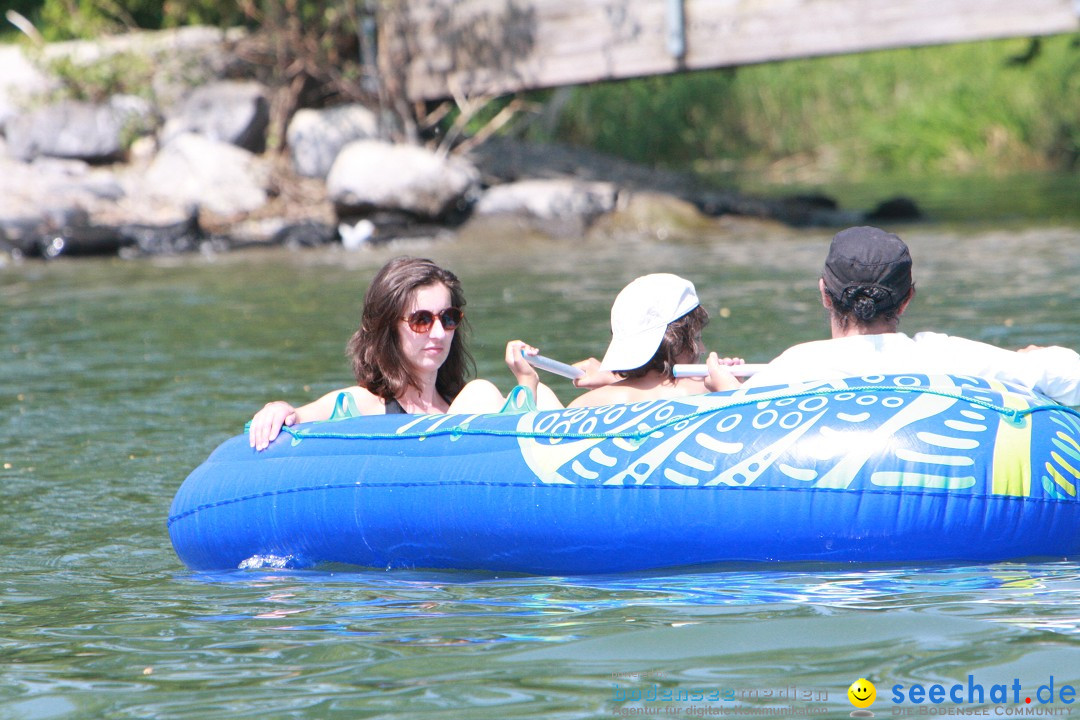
868 256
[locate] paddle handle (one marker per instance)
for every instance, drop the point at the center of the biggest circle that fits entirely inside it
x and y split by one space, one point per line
554 366
691 371
680 371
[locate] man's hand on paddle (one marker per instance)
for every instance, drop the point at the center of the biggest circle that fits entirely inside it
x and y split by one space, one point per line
720 378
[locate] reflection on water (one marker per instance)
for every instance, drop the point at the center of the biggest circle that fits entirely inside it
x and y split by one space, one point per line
121 377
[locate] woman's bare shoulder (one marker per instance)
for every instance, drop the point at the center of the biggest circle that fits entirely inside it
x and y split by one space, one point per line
367 402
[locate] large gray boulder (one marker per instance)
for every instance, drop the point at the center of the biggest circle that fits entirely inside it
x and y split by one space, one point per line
315 137
233 112
40 197
549 199
20 81
211 174
94 132
561 208
370 175
180 58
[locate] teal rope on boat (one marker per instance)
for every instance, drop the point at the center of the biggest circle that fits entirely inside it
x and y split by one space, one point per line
1013 415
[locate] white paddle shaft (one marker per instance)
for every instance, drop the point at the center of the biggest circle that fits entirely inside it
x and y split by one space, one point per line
554 366
690 371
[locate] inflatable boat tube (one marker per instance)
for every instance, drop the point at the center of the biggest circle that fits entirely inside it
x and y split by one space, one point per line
895 469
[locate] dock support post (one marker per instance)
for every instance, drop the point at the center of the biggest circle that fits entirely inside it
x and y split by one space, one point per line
676 29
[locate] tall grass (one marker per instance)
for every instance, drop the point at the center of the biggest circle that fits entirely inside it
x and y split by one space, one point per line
990 107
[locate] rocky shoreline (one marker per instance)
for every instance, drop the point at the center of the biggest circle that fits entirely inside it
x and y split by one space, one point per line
189 171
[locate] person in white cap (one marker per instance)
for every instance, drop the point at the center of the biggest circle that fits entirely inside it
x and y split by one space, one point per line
656 322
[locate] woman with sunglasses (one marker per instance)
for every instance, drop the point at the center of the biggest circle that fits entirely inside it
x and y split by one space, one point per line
408 355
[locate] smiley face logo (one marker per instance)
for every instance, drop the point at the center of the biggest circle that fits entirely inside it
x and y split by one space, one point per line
862 693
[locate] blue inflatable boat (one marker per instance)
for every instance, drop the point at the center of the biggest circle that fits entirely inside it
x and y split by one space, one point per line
904 469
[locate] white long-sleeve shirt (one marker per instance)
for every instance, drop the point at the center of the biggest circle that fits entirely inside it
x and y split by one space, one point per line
1053 371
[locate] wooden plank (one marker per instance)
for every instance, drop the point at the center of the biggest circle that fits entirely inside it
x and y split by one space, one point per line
480 47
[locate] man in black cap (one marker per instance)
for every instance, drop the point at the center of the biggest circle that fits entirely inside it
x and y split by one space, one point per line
866 285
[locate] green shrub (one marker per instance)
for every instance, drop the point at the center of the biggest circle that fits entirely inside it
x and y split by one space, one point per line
123 73
979 107
82 19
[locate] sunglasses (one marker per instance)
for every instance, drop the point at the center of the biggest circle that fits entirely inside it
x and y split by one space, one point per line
422 320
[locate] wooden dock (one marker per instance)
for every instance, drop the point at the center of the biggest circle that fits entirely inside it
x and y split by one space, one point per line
443 48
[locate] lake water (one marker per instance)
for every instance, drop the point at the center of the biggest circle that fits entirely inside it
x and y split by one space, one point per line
120 377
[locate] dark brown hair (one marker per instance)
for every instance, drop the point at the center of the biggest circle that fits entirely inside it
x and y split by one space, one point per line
375 347
864 305
680 339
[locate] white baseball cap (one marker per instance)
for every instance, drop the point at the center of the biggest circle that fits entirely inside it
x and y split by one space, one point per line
640 316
